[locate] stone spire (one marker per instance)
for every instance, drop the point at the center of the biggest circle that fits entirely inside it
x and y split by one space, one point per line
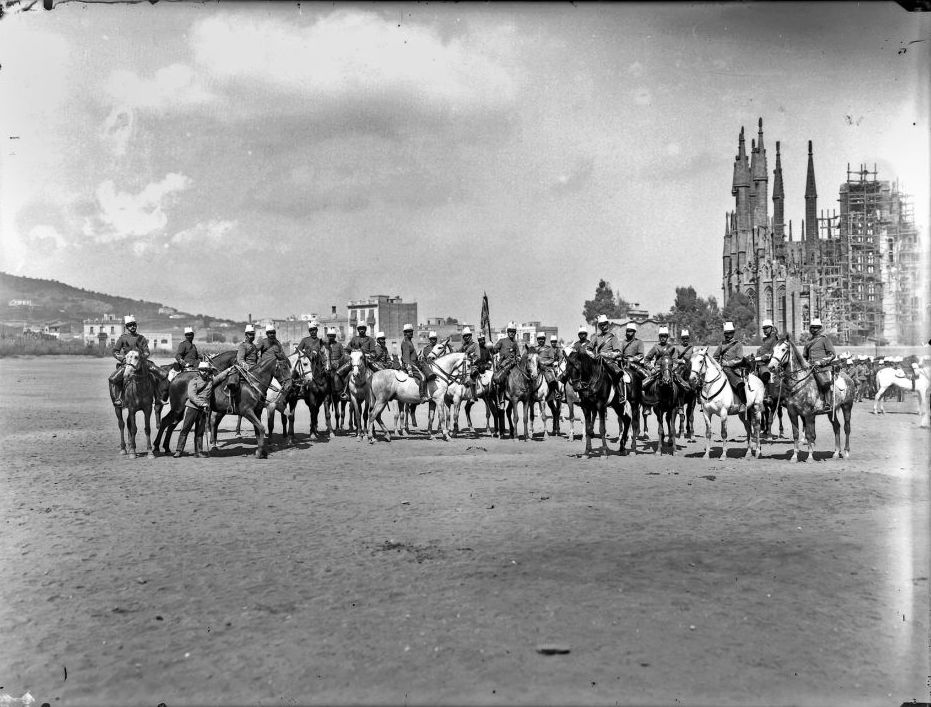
741 190
779 197
811 200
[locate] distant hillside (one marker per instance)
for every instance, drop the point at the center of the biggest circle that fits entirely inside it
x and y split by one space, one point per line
50 299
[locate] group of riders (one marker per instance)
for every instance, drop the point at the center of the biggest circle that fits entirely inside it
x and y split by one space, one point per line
617 353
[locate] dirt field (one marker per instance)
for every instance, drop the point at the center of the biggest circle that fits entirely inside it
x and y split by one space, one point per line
430 572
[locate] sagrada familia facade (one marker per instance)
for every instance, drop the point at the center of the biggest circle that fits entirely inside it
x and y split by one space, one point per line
859 270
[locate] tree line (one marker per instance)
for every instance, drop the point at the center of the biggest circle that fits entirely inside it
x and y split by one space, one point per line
702 316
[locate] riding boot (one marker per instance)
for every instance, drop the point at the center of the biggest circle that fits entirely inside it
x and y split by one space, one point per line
182 440
742 397
345 394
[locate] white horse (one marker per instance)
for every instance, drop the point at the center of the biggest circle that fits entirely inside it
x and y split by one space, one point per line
527 387
717 398
396 385
886 377
360 390
459 393
571 397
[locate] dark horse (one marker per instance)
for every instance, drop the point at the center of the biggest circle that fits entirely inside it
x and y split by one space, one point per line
177 395
597 392
139 391
670 396
253 385
312 384
633 390
333 400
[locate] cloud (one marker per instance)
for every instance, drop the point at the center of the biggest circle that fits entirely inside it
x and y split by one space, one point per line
45 239
175 86
212 232
122 215
642 96
355 55
118 129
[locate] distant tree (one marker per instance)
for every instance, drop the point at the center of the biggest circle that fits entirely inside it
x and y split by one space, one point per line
452 320
605 303
234 339
740 310
699 315
219 338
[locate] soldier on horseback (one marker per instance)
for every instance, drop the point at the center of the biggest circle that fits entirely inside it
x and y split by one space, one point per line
129 340
765 352
427 350
473 351
606 345
548 358
197 407
508 351
685 345
409 361
311 343
247 355
632 348
659 350
730 354
819 352
382 358
360 342
271 344
186 357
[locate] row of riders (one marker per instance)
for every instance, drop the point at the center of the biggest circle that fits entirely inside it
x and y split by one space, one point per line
623 359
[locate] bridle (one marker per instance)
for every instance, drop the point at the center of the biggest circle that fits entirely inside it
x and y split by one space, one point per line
700 375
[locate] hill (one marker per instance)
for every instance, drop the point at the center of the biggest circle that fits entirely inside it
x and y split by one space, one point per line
27 298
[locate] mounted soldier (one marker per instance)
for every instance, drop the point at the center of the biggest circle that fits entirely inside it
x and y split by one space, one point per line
765 352
508 351
548 358
659 350
360 342
311 343
427 350
129 340
632 350
606 345
270 344
333 349
730 354
819 352
197 406
409 361
473 351
381 358
579 346
685 345
186 357
247 355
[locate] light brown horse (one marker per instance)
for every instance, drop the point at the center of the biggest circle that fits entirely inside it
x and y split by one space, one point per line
138 395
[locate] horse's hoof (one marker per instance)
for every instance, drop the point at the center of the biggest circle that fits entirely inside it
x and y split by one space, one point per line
150 455
122 452
836 455
846 455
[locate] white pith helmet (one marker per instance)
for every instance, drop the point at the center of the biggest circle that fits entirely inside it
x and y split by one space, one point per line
129 319
432 335
466 331
313 324
583 329
332 330
663 330
540 335
249 329
766 323
408 327
554 338
379 335
684 332
816 322
512 326
602 318
203 366
728 326
362 325
270 329
481 335
188 330
631 326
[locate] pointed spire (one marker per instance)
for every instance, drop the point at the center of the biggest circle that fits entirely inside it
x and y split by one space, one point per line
778 190
810 191
758 168
811 200
741 170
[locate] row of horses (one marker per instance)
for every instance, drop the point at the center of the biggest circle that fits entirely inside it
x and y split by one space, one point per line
278 385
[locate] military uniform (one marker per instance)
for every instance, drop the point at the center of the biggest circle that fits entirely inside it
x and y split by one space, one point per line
508 351
334 352
310 344
363 343
412 366
247 354
274 346
819 352
632 349
196 409
186 355
728 354
381 358
660 350
124 344
471 350
548 359
764 354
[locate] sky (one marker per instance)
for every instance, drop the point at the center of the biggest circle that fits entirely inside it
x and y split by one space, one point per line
281 158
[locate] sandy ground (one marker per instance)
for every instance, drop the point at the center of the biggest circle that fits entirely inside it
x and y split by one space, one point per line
430 572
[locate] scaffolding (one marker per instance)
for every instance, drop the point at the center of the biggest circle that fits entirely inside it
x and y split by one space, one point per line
905 265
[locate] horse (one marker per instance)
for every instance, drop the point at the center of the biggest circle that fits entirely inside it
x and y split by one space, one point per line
481 391
802 398
138 394
334 400
633 375
571 397
160 399
717 398
312 383
359 391
597 393
670 396
892 377
253 387
687 413
523 385
392 384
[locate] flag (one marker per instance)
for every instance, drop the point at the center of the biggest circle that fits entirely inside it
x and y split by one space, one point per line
486 320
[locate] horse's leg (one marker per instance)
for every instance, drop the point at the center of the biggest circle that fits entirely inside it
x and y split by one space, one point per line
375 415
119 420
528 411
589 428
431 411
672 428
543 417
810 437
835 423
848 411
603 419
724 433
131 433
214 425
706 413
147 427
878 408
239 426
260 451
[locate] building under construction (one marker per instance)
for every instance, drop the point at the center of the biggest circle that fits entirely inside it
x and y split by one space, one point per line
857 268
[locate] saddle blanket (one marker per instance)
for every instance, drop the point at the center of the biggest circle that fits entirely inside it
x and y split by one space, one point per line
401 376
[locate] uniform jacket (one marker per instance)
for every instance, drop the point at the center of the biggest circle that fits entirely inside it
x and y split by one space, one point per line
660 350
199 390
818 348
631 348
309 344
247 353
275 347
765 352
408 353
605 343
685 351
729 351
365 344
334 350
471 350
187 353
381 355
509 350
580 346
130 342
548 356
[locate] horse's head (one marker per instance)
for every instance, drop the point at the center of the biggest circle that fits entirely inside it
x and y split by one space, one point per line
532 363
132 362
780 355
283 371
698 363
357 359
441 348
665 370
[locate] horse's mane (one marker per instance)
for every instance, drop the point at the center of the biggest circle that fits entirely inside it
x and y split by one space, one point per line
799 359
